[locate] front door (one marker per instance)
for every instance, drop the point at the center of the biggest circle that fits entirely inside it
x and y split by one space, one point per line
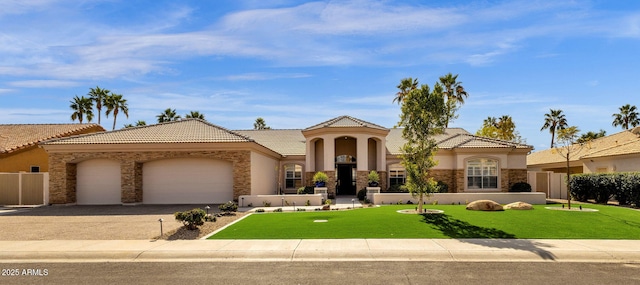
346 182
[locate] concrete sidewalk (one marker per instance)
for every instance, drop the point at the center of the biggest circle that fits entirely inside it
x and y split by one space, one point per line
448 250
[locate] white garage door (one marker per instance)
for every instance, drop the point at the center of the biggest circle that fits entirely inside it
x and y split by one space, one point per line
187 181
98 182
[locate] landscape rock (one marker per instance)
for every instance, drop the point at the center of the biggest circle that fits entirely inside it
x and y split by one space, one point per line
326 207
484 205
518 206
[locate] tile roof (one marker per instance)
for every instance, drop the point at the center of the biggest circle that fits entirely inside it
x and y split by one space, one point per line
625 142
182 131
345 122
452 138
285 142
17 136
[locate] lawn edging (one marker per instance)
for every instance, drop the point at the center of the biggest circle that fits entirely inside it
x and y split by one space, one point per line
462 198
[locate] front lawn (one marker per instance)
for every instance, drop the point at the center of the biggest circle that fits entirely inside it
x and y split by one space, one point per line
457 222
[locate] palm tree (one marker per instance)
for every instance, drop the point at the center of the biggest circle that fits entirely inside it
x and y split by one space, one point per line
455 95
116 103
141 123
628 116
591 136
168 115
98 95
82 107
260 124
554 120
406 85
194 115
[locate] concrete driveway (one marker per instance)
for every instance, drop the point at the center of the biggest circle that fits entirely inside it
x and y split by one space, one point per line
90 222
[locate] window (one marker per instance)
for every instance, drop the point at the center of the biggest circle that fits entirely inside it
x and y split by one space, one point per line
482 174
35 169
293 176
396 175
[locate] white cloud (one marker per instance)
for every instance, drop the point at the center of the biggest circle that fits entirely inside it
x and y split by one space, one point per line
263 76
44 83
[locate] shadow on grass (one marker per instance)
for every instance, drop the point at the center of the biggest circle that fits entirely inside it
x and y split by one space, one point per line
489 237
460 229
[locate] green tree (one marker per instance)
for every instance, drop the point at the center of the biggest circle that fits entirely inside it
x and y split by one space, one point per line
628 116
260 124
589 136
98 95
406 85
503 128
554 121
141 123
454 94
82 108
115 103
567 137
194 115
423 116
168 115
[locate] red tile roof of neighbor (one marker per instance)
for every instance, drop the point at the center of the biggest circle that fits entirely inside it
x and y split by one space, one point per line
14 137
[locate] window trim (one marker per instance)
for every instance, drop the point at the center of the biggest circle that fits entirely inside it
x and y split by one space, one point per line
482 159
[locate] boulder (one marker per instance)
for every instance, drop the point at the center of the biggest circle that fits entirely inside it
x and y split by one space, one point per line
518 206
484 205
326 207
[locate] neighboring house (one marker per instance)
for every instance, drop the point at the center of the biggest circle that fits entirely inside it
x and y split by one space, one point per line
619 152
192 161
19 149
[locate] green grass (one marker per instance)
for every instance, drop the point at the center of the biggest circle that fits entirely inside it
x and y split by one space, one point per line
457 222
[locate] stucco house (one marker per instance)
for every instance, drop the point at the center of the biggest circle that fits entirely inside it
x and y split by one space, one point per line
619 152
193 161
19 151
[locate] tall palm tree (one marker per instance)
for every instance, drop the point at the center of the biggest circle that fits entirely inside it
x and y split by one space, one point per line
455 95
115 103
260 124
554 120
406 85
194 115
98 95
168 115
628 116
82 107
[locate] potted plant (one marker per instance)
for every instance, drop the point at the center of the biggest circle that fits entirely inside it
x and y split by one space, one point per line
320 179
374 178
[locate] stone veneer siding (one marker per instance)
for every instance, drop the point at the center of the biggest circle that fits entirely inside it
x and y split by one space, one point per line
63 171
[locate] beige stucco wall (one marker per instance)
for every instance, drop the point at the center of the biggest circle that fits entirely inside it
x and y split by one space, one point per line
23 160
627 163
264 174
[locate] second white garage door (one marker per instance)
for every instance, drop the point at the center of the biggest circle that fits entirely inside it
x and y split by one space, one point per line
187 181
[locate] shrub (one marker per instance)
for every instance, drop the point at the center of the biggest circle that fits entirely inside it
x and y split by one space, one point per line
520 187
210 218
320 177
301 209
191 218
228 207
443 187
362 194
624 187
308 203
397 188
301 190
266 204
277 210
373 178
259 210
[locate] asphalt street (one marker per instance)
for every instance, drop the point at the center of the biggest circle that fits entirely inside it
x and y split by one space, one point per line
360 272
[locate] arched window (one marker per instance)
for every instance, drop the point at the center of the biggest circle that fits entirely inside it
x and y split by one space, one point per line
293 176
482 174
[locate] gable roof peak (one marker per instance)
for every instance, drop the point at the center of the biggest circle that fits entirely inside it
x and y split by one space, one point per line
345 122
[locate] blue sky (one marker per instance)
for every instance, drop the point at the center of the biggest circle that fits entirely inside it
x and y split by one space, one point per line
298 63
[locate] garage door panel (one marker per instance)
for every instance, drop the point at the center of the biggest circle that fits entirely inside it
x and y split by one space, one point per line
187 181
98 182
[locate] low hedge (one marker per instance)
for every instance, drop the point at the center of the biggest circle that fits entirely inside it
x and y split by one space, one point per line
624 187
